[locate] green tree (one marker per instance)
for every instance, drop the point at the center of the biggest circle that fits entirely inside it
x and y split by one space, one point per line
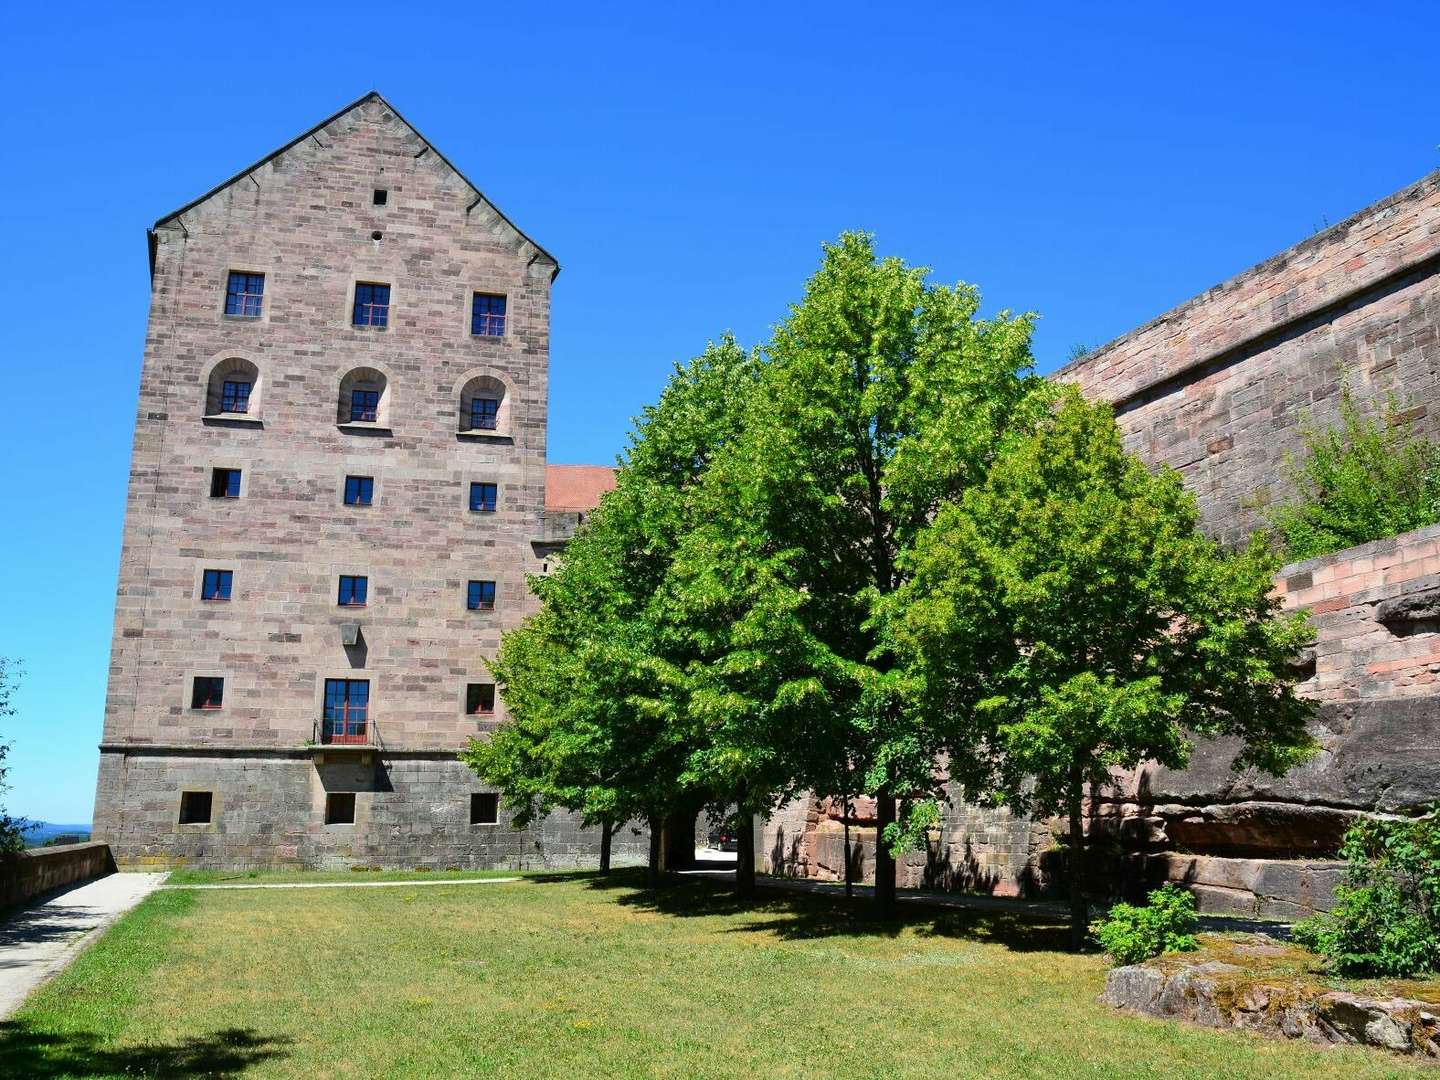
1368 478
12 830
1070 619
882 396
595 683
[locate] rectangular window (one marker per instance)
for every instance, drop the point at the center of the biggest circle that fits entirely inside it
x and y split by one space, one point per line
479 699
352 590
347 710
208 692
487 315
483 497
372 304
484 808
224 483
244 294
196 807
480 596
340 808
484 413
364 406
359 490
235 396
215 584
379 197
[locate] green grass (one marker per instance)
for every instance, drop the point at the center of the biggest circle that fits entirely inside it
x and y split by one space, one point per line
570 976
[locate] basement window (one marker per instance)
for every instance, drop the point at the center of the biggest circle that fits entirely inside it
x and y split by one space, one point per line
380 197
484 808
340 808
196 806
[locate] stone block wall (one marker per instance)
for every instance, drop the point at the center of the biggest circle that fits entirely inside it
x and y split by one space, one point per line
37 871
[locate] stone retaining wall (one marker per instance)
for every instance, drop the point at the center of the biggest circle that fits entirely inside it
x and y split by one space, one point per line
37 871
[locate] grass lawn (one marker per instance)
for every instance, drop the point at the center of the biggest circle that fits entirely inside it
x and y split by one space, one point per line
571 976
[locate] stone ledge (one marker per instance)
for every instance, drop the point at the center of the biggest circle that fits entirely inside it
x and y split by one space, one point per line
1211 994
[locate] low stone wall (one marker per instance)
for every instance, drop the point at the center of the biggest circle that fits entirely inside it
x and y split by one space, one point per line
1285 889
1221 995
36 871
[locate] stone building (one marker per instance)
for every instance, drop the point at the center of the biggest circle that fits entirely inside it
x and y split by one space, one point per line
338 485
1219 388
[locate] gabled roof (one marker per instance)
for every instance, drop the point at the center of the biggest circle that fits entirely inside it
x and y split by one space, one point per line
576 487
375 96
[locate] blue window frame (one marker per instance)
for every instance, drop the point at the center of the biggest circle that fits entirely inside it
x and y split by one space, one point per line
235 396
364 406
352 590
224 483
483 497
244 294
359 490
484 413
480 596
372 304
347 710
487 315
215 584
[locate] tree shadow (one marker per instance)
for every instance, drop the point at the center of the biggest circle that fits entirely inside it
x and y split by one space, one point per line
48 1055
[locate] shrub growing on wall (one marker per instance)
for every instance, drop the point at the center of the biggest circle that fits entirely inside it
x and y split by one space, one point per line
1369 478
1386 918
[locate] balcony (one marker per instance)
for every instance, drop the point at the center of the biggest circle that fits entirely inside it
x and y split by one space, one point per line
345 737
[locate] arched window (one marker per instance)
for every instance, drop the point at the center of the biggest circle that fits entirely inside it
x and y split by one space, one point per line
233 390
484 406
365 398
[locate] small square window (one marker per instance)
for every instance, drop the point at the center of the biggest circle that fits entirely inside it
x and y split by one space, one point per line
244 294
487 315
372 304
224 483
215 584
235 396
480 596
479 699
359 490
484 497
340 808
352 590
484 808
484 413
196 807
380 197
208 692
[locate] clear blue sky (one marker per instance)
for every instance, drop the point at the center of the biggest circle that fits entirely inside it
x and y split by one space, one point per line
1094 163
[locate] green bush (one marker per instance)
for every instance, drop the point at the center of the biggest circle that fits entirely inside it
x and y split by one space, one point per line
1386 918
1367 479
1166 924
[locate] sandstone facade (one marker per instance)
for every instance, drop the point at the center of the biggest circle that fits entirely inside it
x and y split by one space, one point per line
362 199
1218 388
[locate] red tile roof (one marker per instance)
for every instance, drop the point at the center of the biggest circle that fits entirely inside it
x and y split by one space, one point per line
576 487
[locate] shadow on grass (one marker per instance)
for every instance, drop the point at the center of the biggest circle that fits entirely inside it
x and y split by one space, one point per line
800 916
43 1055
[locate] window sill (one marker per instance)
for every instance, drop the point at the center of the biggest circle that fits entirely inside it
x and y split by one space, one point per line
368 328
232 420
229 317
481 435
361 427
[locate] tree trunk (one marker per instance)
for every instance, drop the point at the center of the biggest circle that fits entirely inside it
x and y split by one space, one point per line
657 838
1079 879
745 855
884 861
607 832
849 869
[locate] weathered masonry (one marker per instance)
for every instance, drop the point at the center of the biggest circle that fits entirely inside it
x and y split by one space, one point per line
337 488
1218 388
